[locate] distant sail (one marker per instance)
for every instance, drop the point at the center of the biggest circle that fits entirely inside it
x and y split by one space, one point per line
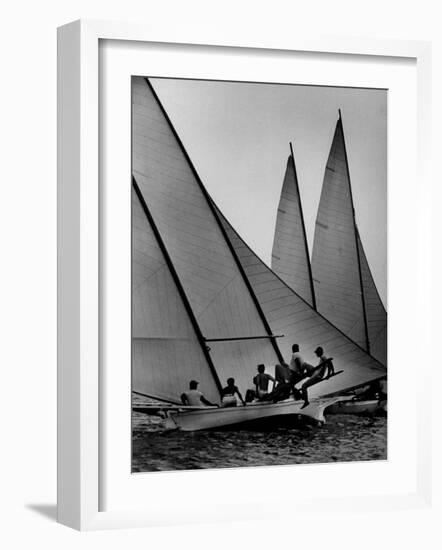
209 272
166 353
375 311
290 256
344 288
288 314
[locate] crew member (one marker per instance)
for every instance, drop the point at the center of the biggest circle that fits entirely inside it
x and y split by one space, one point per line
298 367
283 385
229 393
195 398
261 381
316 374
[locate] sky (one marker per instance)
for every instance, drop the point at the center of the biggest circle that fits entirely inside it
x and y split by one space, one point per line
237 135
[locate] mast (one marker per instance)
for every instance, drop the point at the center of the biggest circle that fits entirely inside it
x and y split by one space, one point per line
178 284
307 254
290 314
367 340
218 221
217 291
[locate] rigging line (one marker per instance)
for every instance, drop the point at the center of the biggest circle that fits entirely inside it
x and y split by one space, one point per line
309 266
178 284
290 289
367 340
218 221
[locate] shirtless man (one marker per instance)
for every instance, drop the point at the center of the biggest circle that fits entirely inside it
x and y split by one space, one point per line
315 374
283 384
261 381
282 374
229 393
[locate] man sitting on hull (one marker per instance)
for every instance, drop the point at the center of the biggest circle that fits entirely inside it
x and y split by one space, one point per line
298 366
195 398
298 369
284 385
316 374
229 393
261 381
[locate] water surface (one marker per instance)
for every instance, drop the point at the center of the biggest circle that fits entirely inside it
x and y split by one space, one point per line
342 438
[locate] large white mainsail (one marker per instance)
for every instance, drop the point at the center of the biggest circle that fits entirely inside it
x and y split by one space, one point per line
344 288
212 279
290 315
166 352
290 256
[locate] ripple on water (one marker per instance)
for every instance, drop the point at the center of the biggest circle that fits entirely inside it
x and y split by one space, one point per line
343 438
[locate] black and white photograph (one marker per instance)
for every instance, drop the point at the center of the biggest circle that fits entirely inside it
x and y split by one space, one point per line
259 274
209 211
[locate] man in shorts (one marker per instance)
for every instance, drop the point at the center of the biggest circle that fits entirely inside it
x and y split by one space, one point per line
261 381
229 393
315 374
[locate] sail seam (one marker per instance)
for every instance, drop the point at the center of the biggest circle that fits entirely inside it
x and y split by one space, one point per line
244 243
218 221
178 284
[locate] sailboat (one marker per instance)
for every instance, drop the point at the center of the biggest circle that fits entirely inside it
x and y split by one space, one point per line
290 314
168 348
196 314
339 283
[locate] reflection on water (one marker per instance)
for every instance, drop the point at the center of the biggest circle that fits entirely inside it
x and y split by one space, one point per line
342 438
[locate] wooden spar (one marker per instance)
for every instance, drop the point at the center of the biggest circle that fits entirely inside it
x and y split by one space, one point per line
178 284
166 401
219 223
297 312
307 255
283 284
243 338
364 309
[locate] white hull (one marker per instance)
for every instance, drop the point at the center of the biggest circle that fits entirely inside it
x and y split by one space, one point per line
356 407
230 416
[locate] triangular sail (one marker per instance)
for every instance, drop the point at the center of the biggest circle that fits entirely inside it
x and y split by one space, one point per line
166 353
375 311
335 261
345 291
290 257
210 275
289 315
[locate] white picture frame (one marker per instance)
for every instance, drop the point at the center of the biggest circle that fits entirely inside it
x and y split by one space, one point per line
80 439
